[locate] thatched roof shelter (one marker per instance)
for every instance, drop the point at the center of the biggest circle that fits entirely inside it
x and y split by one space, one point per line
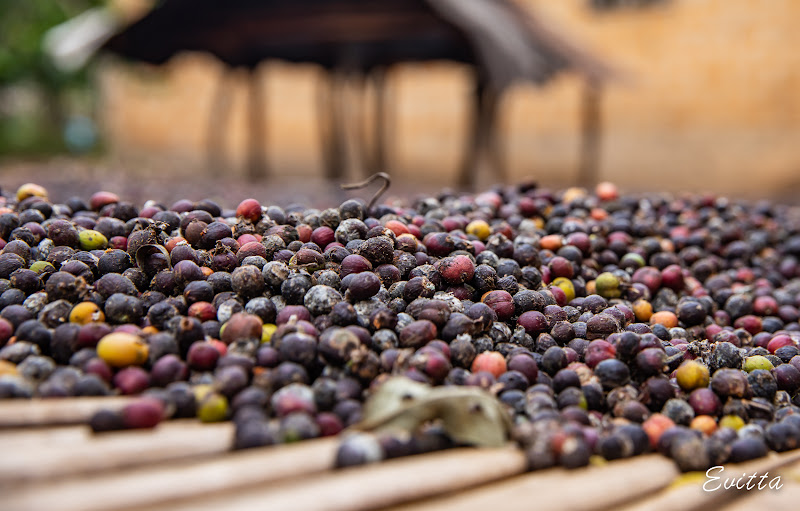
497 36
503 42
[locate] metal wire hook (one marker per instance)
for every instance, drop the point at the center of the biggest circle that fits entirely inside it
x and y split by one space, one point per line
387 181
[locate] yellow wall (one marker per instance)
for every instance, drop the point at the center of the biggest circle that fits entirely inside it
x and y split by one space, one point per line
710 101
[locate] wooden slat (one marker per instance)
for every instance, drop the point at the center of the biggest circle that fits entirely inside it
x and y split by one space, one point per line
24 438
168 441
590 488
687 493
36 438
787 498
372 486
47 412
168 482
50 463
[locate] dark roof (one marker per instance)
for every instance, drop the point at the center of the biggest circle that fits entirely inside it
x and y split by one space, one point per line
499 38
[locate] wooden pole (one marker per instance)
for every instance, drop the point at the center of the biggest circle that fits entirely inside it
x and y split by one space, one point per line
591 133
371 486
218 118
687 491
594 487
476 138
494 140
329 109
110 451
382 120
373 146
26 438
257 167
171 481
365 144
49 412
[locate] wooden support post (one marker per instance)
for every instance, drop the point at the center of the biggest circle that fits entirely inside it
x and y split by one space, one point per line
372 145
591 132
494 140
382 121
218 119
257 167
483 140
475 138
362 123
329 109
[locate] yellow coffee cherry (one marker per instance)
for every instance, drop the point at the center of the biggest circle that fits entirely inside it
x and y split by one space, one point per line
8 368
479 228
692 375
643 310
31 190
120 349
267 331
86 312
731 421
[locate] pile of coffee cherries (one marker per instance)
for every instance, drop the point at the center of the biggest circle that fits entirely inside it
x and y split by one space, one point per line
607 325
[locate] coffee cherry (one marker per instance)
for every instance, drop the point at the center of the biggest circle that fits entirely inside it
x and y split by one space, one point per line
120 349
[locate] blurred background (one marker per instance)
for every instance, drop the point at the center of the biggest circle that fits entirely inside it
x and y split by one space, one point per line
705 97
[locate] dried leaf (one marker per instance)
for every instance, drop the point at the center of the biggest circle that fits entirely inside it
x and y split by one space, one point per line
472 416
468 415
391 398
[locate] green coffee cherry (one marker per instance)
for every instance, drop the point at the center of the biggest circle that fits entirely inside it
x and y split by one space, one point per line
92 240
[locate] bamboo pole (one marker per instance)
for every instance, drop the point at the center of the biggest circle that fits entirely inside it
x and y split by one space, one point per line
257 166
110 451
55 411
595 487
687 492
169 482
785 499
591 134
371 486
219 122
26 438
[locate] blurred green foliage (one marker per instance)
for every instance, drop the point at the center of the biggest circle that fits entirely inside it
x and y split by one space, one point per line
36 99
